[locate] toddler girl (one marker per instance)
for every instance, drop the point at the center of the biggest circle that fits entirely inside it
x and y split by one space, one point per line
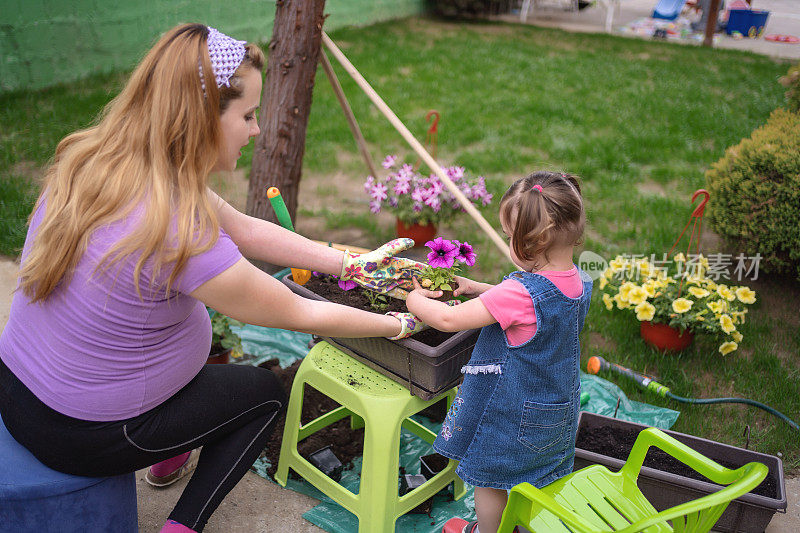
515 416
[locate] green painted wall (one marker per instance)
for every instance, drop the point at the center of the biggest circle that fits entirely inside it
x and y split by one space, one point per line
45 42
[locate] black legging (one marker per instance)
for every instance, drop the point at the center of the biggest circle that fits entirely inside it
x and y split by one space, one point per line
229 410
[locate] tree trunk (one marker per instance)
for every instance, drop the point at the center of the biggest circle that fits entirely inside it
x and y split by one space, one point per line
285 105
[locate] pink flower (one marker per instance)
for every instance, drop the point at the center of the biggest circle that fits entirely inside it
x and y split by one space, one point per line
419 195
434 203
443 252
347 285
375 206
402 187
466 254
378 192
368 184
389 161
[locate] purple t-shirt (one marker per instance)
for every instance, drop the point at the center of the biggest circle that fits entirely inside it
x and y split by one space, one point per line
94 350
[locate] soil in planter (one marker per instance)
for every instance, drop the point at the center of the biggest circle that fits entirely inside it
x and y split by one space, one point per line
618 442
346 443
330 290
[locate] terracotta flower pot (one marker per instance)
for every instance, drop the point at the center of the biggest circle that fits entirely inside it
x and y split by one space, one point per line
420 233
664 337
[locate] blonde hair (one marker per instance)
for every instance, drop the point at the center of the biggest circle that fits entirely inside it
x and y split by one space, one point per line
543 210
154 146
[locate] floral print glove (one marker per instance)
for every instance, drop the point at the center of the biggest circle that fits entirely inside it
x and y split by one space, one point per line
409 323
380 271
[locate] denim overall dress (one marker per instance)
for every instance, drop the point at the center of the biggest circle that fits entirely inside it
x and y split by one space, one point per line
515 416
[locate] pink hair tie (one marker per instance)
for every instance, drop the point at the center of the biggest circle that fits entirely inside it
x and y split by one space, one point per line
538 187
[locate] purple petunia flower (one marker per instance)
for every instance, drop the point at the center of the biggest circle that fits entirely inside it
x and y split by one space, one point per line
347 285
466 254
375 206
389 161
443 252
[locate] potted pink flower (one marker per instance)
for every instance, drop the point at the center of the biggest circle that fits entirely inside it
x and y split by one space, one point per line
445 261
421 202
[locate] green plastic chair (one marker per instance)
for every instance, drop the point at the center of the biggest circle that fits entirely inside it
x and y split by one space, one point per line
382 407
594 499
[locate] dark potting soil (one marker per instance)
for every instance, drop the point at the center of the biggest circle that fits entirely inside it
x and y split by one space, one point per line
330 290
346 443
618 442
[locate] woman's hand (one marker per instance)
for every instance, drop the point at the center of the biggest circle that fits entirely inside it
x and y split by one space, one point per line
409 324
380 271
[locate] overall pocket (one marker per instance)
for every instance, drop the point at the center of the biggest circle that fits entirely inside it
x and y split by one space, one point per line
543 425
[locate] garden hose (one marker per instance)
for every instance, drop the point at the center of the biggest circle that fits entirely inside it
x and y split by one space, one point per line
596 364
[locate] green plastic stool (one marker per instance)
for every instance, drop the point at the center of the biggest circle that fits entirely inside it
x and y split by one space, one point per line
382 407
594 499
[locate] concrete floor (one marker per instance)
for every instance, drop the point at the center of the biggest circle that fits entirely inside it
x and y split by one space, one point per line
258 505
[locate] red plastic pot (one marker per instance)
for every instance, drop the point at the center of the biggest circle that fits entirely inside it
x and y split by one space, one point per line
664 337
420 233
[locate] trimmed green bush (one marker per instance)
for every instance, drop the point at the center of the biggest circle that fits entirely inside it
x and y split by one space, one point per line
755 194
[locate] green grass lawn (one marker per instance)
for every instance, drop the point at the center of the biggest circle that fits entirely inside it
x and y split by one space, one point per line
639 121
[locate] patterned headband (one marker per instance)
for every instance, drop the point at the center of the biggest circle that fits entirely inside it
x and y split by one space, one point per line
226 55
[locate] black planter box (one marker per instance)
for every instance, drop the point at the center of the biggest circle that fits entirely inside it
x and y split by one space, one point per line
425 370
750 513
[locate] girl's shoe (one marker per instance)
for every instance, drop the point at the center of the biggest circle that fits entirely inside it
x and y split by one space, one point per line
169 478
459 525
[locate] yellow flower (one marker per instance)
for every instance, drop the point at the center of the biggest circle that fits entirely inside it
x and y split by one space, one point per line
737 336
680 258
701 259
746 295
681 305
727 324
617 264
697 292
624 289
608 273
645 311
727 347
719 306
644 267
738 316
608 301
621 303
725 292
603 282
710 284
637 295
650 287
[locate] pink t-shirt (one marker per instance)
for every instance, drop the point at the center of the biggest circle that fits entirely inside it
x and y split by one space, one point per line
94 350
510 302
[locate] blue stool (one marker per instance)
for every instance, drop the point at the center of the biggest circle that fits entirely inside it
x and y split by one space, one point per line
34 498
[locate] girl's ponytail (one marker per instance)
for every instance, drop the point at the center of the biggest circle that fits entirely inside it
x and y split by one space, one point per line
543 210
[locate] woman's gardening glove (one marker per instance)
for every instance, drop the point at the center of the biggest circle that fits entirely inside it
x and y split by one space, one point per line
380 271
409 323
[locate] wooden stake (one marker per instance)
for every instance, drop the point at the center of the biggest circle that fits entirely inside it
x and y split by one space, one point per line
348 113
415 144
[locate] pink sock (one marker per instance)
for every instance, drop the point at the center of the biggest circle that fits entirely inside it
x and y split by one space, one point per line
172 526
169 466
